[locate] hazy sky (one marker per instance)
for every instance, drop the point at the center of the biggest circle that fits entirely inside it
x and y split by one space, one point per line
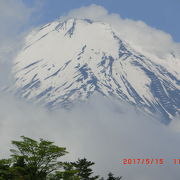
161 14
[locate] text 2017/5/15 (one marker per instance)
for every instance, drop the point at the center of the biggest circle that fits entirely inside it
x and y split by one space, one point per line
148 161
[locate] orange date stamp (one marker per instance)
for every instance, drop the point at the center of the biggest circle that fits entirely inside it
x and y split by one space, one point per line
149 161
140 161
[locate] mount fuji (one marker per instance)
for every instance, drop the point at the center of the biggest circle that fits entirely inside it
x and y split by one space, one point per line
67 61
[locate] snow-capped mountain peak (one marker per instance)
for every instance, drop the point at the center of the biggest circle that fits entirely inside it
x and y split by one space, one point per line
67 61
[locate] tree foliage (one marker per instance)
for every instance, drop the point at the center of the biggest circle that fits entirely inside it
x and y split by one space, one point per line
83 166
39 160
111 177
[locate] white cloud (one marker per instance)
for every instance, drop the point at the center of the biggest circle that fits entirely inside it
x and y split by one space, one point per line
13 15
91 12
15 18
175 124
98 131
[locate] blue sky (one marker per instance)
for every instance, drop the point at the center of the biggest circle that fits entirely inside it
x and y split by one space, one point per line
161 14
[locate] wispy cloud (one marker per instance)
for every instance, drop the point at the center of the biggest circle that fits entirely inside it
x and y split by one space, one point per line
15 20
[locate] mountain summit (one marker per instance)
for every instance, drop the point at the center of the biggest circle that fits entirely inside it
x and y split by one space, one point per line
65 62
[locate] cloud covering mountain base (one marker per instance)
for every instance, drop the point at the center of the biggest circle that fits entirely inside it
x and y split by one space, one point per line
102 131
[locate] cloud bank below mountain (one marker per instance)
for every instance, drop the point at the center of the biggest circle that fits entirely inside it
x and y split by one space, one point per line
103 132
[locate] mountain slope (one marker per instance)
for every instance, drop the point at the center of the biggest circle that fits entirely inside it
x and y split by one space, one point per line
65 62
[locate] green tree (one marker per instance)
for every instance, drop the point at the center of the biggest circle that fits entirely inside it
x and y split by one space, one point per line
36 160
68 173
39 160
79 170
111 177
5 172
84 169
